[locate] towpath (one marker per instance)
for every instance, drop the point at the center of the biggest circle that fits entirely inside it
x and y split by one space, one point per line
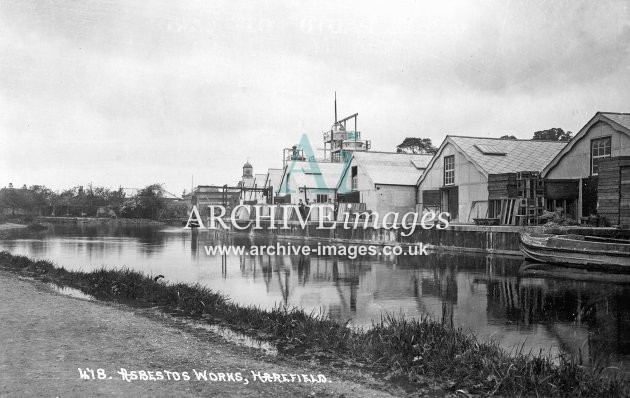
45 337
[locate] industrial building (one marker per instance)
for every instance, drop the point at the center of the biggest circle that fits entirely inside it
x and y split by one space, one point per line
457 178
314 181
384 181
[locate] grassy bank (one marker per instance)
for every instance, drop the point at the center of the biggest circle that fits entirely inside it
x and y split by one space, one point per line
421 352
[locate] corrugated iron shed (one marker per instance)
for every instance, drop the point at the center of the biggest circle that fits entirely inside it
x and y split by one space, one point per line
392 168
274 178
307 174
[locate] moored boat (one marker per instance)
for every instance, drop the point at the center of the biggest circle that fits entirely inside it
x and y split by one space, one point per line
577 251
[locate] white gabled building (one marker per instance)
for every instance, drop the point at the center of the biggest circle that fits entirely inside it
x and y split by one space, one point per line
384 181
316 181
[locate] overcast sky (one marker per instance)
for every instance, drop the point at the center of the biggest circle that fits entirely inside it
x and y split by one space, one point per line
129 93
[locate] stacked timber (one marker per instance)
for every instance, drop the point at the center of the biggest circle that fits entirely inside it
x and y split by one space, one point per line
530 188
502 186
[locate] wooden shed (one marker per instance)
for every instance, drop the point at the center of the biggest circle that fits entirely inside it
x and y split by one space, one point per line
613 190
605 136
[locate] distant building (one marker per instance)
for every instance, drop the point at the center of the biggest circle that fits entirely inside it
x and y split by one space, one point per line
252 185
204 195
572 176
315 181
384 181
456 179
247 180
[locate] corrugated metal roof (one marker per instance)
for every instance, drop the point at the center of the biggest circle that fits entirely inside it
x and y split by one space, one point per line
619 118
520 155
260 179
393 168
274 178
329 172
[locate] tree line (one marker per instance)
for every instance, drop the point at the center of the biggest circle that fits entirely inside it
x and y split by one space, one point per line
149 202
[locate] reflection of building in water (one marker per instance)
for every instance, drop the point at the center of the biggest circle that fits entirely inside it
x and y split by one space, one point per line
442 285
311 282
194 243
583 319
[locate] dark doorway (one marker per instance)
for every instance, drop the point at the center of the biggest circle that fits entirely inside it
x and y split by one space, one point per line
589 196
450 201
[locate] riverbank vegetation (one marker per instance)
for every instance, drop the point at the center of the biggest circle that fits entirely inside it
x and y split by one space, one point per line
419 353
151 202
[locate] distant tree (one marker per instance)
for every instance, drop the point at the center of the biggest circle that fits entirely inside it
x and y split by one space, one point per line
115 199
39 196
553 134
150 201
417 145
508 137
33 198
11 198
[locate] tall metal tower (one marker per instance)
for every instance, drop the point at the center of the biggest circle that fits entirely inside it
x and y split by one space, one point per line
341 142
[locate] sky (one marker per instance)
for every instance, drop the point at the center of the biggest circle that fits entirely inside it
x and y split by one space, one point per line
130 93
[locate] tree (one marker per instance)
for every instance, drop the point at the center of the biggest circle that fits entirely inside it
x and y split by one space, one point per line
11 198
417 145
150 201
39 197
508 137
553 134
115 199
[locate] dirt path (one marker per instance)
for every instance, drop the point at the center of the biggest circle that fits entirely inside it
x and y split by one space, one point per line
47 336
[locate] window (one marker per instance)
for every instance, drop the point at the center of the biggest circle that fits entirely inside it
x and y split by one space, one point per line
322 198
449 170
431 199
354 178
600 148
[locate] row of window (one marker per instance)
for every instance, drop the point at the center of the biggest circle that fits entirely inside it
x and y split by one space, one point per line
600 148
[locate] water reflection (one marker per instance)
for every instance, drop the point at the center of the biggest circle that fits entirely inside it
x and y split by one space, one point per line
483 294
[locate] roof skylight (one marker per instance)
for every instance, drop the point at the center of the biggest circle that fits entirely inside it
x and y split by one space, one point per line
490 150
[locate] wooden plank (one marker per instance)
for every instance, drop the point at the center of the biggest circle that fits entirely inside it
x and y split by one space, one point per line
515 210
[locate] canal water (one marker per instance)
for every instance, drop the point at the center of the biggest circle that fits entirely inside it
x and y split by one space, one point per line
479 293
